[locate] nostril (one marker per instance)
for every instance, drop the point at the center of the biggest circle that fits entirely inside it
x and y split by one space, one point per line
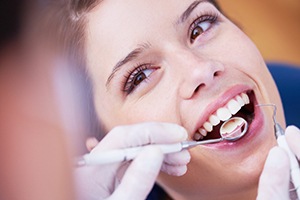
216 74
196 90
199 86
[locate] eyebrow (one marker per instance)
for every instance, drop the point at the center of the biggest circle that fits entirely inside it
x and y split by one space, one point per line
189 10
131 56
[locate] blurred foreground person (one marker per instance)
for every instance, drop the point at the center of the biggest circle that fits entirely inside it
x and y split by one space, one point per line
34 154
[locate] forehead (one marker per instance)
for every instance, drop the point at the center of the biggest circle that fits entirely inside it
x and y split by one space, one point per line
114 27
111 14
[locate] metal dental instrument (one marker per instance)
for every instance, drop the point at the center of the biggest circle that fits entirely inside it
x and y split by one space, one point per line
280 136
120 155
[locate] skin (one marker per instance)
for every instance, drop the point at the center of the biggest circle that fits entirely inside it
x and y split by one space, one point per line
186 78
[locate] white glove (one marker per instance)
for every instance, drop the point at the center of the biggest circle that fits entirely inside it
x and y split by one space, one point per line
274 180
133 180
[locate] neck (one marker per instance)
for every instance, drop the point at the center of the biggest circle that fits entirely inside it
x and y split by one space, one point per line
247 195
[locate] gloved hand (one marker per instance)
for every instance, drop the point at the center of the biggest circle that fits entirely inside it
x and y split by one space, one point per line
133 180
274 180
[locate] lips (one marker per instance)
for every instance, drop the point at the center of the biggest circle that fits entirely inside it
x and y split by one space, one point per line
240 105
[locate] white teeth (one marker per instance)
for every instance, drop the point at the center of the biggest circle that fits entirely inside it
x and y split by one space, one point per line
233 106
214 120
240 100
208 126
223 114
198 136
202 131
245 98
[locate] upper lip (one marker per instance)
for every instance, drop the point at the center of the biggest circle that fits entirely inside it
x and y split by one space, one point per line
220 102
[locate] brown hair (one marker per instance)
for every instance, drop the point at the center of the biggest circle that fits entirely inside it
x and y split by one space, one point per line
71 18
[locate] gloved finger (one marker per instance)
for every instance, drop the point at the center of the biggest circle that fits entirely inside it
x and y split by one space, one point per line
179 158
91 143
173 164
173 170
274 180
95 182
141 134
293 139
140 176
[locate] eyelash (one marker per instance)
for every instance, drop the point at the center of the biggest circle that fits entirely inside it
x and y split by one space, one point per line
132 76
211 18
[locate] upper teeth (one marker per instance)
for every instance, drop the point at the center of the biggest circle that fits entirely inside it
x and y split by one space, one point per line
222 114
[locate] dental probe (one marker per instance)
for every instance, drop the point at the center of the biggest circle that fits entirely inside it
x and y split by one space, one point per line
126 154
280 136
121 155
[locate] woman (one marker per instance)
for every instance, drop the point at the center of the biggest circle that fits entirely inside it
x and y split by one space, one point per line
182 62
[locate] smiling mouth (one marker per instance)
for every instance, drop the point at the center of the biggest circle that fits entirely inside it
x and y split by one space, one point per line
242 105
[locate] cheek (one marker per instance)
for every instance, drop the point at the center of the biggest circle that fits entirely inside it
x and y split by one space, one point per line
108 107
234 46
253 65
244 53
238 52
152 109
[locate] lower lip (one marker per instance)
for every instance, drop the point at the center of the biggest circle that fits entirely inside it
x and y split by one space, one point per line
253 131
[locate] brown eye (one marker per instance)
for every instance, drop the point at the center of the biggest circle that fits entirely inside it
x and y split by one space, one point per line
139 78
201 25
196 32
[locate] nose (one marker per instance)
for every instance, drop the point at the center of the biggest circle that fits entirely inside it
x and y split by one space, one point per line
196 73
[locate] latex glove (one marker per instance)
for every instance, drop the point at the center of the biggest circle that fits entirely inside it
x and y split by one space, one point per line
133 180
274 180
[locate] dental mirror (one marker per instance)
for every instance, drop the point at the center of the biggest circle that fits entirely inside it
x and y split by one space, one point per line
231 130
234 128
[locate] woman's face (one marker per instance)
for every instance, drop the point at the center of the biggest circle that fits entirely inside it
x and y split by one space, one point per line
184 62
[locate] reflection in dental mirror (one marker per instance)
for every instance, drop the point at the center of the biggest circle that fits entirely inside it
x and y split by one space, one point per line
234 128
